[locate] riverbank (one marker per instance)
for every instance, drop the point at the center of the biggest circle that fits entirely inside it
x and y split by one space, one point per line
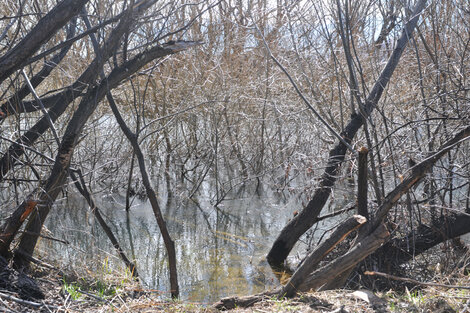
108 291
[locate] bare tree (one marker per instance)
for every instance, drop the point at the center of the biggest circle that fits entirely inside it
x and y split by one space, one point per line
306 218
89 89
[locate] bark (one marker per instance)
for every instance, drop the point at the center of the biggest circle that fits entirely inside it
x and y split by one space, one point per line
169 243
343 263
13 224
388 25
291 233
314 258
14 104
362 184
40 34
402 250
17 149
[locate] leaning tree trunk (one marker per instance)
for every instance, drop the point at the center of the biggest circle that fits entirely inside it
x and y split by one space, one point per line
291 233
41 200
60 15
46 194
401 250
307 277
169 243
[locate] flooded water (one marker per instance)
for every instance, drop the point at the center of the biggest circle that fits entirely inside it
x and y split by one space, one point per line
220 251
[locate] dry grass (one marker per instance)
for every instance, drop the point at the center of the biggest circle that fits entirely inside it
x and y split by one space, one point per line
71 291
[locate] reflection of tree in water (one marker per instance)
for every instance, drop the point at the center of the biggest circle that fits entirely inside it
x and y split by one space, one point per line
220 250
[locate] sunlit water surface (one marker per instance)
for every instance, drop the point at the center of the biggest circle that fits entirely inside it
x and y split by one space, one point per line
220 251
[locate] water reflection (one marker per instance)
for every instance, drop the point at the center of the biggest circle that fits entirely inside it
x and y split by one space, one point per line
220 251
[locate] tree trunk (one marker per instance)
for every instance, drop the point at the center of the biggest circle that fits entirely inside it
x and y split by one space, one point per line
402 250
291 233
361 210
40 34
345 262
313 259
169 244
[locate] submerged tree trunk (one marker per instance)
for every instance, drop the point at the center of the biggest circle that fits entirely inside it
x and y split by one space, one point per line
169 243
291 233
81 186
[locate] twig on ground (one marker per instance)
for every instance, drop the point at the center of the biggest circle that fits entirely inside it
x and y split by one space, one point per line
8 308
92 295
26 302
410 280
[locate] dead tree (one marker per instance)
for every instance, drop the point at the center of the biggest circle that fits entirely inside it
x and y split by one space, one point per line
291 233
91 90
307 277
375 234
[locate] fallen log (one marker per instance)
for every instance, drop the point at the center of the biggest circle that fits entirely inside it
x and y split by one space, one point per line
36 305
343 263
403 249
314 258
230 303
